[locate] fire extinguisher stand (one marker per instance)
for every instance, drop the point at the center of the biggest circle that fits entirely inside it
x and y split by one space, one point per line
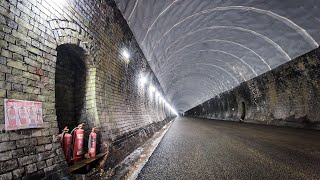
77 148
92 144
65 139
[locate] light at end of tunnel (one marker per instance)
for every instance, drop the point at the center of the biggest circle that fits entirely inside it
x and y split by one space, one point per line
173 110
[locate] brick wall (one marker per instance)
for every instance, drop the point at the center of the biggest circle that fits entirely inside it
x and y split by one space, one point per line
78 45
289 95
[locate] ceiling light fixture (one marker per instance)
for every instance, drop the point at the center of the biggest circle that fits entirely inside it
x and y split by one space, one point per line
126 54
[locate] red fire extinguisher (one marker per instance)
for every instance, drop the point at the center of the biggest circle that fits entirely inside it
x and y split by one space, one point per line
92 144
77 142
23 116
32 115
12 117
65 139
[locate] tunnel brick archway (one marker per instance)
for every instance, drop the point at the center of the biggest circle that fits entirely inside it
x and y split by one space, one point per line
70 85
78 40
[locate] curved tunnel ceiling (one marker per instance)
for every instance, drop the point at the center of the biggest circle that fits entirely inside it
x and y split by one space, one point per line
201 48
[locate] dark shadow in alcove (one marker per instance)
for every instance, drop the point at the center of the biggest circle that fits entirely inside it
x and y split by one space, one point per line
243 111
70 82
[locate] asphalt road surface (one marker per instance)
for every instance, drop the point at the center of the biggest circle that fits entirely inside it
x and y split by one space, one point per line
207 149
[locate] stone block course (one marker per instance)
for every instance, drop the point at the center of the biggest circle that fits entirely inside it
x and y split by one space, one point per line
3 93
45 155
17 49
6 53
5 85
17 65
17 87
31 168
9 39
30 150
17 135
17 153
5 156
6 176
5 146
41 164
44 140
26 142
9 165
27 160
18 173
5 69
50 161
4 137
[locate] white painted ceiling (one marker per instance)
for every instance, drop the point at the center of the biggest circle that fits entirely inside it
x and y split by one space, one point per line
201 48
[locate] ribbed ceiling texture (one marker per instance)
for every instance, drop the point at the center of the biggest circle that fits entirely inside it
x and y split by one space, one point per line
201 48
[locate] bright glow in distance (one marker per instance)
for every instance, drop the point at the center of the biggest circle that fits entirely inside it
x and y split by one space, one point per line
152 88
172 110
143 80
125 54
157 94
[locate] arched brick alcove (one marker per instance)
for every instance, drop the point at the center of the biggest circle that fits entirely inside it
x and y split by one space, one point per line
70 85
70 33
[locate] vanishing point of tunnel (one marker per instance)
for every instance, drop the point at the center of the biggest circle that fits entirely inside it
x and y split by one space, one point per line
159 89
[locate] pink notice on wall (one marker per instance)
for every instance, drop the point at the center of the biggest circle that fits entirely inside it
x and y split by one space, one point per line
21 114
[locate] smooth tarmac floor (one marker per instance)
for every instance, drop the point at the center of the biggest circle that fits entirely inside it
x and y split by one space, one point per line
196 148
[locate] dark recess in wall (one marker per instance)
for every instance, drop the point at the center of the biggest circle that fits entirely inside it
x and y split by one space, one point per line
243 110
70 84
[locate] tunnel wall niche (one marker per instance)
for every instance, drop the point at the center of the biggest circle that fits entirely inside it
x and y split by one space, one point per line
70 85
288 95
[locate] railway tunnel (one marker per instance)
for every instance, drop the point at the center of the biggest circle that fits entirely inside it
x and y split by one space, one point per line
176 89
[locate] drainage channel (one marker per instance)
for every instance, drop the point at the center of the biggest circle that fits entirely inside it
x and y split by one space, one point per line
131 166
